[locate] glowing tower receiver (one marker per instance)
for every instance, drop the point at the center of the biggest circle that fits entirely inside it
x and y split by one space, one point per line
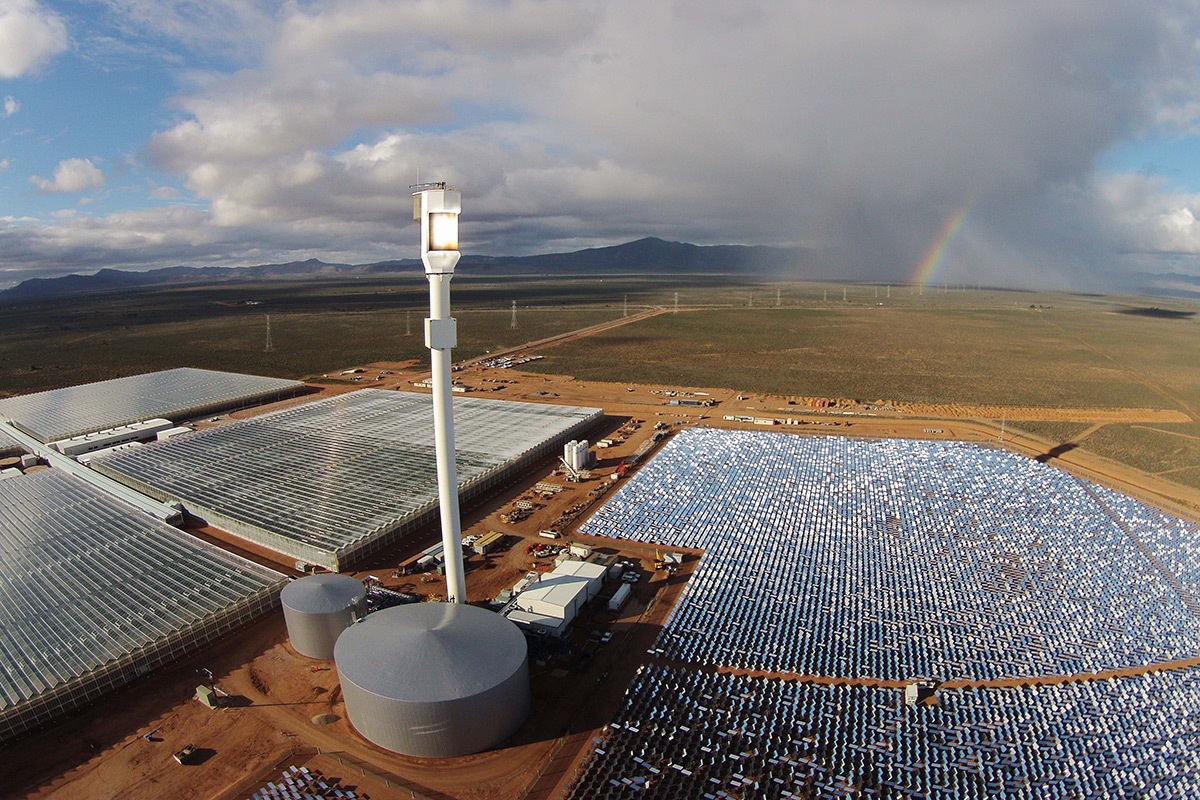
437 209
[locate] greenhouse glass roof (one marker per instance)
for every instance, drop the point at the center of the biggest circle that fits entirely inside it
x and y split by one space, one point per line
86 580
184 392
330 474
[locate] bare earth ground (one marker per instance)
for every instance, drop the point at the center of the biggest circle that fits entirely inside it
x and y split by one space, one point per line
276 694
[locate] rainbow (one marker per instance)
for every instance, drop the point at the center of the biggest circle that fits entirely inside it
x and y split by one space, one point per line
937 250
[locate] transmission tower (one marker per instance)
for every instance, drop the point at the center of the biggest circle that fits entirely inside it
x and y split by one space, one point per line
778 301
677 302
626 312
514 317
408 323
269 346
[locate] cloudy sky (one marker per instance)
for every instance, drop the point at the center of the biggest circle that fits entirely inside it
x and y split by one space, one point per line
1025 142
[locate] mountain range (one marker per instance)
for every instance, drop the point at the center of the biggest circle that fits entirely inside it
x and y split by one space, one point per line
641 256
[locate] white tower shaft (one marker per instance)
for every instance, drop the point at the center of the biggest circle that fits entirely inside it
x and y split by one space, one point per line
438 209
443 431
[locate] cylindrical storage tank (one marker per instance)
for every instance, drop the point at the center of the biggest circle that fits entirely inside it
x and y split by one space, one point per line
317 608
434 680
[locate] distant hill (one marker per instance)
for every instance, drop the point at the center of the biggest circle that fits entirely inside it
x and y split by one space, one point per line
644 255
1168 284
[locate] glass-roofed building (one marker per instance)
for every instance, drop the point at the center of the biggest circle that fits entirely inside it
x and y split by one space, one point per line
332 481
8 445
181 393
94 594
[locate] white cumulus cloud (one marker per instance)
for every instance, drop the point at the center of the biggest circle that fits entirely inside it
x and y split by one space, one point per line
71 175
855 129
29 36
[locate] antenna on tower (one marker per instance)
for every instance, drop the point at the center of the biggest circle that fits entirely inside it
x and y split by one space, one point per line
270 347
514 318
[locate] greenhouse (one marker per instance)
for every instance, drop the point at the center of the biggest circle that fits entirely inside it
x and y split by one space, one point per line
8 445
94 594
176 394
331 481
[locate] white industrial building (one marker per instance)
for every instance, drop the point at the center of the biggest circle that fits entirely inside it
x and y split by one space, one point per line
563 592
542 623
143 431
594 574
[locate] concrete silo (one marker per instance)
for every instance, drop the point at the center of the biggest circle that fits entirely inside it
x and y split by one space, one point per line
317 608
434 680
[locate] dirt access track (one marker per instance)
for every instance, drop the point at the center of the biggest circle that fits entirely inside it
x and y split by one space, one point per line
285 709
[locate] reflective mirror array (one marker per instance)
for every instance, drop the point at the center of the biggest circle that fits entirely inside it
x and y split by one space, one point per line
858 563
696 735
897 559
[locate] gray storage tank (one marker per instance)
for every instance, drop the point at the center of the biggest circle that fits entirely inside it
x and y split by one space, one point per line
434 680
317 608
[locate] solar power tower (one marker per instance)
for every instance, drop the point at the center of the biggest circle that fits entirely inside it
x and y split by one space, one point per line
437 208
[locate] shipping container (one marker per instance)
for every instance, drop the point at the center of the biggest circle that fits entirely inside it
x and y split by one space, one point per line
490 541
619 597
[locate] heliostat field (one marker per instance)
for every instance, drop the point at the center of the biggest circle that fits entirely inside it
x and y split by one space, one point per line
855 566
